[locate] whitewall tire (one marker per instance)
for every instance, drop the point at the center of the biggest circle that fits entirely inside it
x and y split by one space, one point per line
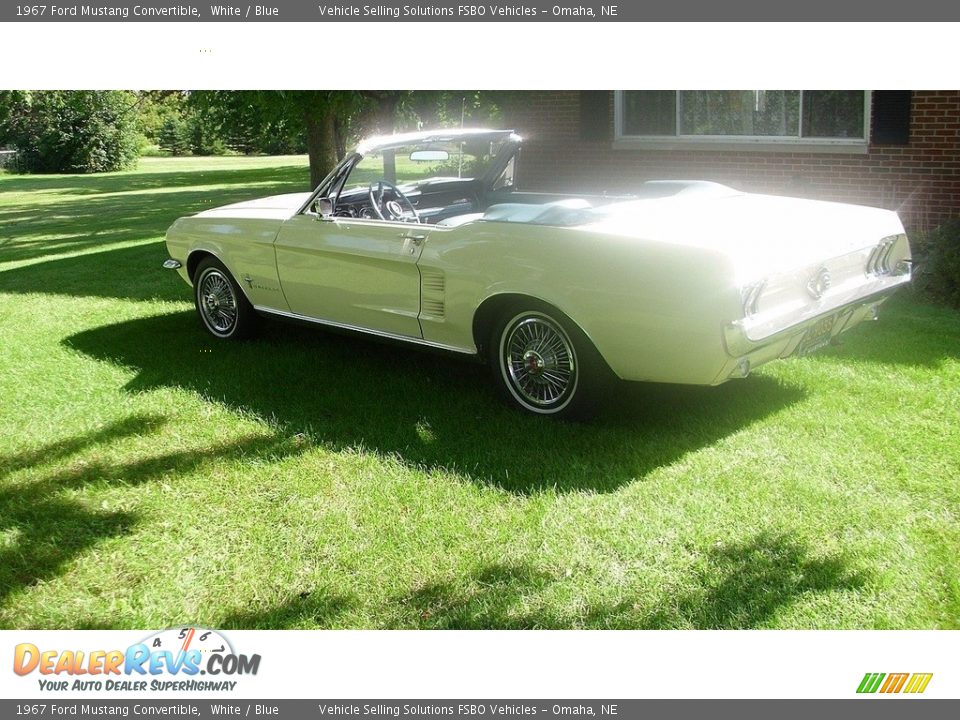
224 310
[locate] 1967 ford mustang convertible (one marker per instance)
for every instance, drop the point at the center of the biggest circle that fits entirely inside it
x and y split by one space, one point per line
425 238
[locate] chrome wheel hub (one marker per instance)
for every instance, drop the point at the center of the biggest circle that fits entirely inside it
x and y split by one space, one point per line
219 305
533 362
538 361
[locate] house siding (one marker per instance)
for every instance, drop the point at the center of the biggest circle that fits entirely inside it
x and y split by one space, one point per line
921 179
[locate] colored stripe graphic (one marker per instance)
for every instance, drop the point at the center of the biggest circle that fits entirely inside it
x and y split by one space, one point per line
918 683
894 682
870 682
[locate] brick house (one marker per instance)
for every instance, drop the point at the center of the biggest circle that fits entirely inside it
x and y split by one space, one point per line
893 149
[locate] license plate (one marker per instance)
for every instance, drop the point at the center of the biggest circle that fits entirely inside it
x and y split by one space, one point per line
817 336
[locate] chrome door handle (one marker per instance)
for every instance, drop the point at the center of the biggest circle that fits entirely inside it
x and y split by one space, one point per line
415 238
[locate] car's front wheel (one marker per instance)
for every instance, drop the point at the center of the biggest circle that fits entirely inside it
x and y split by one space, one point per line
543 362
223 308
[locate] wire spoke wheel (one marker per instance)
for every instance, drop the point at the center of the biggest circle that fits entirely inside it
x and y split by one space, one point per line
538 362
217 302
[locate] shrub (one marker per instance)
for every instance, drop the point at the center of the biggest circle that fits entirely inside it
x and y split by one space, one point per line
938 259
71 131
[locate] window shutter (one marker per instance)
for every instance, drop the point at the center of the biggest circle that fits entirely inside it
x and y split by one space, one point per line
595 115
891 117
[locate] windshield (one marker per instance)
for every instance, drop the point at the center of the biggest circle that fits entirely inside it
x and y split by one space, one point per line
463 158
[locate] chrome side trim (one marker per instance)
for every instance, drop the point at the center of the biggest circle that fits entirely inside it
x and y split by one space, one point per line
367 331
172 264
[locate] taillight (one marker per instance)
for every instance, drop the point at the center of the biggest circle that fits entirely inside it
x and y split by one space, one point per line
750 297
890 256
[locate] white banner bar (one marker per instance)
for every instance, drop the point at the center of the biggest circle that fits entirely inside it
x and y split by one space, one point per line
561 664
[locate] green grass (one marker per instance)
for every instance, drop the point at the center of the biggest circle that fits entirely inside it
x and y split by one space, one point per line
150 476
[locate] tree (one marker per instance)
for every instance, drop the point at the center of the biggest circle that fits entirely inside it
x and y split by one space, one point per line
271 121
71 131
6 101
174 136
319 111
325 119
330 120
452 108
155 108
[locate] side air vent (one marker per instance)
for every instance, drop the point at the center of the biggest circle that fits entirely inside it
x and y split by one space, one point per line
433 308
433 287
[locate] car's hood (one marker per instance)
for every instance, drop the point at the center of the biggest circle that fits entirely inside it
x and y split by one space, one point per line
759 233
275 207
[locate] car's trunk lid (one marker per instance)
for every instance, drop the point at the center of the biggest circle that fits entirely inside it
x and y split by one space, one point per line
760 234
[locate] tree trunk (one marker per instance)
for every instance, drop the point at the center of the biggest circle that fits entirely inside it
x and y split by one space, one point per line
387 113
341 136
320 124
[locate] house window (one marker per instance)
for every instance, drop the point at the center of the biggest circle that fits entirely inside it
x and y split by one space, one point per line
824 120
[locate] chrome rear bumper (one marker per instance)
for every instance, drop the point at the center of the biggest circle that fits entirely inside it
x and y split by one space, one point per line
746 355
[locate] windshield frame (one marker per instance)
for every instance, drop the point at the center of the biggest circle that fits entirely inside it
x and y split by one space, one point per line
333 184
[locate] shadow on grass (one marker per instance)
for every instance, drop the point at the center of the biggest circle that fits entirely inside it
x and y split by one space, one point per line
296 171
430 412
46 522
98 211
738 587
50 532
744 585
48 529
494 597
31 249
134 425
306 610
132 273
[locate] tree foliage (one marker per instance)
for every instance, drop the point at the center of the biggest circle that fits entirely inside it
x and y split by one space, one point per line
284 121
327 122
94 131
70 131
156 109
174 136
453 108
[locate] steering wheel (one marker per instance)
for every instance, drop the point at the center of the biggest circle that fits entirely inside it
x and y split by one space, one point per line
393 207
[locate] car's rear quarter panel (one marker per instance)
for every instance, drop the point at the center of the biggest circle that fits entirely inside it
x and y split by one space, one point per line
654 311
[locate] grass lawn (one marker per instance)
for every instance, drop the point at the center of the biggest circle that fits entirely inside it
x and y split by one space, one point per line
150 477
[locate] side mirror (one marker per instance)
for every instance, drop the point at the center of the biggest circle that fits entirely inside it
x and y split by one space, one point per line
324 207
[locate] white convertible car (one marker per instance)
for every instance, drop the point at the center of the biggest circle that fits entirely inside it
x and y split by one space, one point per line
424 238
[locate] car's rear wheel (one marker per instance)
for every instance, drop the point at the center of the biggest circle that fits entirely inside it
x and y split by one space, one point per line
223 308
543 363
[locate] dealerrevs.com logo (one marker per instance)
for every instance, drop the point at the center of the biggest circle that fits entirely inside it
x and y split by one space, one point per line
168 660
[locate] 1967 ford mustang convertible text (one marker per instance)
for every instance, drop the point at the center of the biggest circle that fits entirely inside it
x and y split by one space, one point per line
425 238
